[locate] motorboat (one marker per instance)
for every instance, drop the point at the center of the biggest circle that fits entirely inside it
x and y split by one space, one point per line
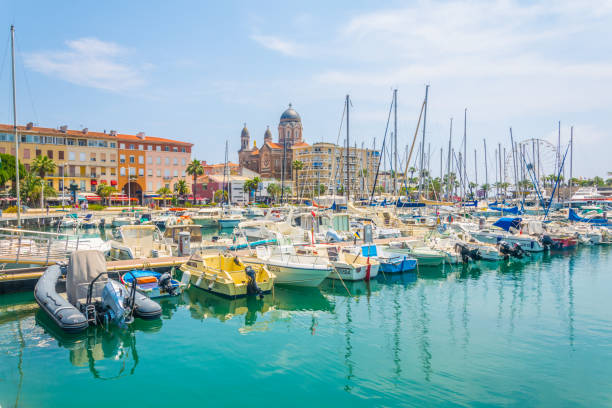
89 222
351 267
509 230
70 221
424 255
172 235
207 217
291 268
91 297
153 284
227 275
139 241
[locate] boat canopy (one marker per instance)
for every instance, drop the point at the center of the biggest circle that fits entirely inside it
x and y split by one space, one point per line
575 217
506 223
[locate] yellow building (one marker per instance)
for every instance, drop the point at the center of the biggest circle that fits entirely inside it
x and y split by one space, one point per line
82 157
325 163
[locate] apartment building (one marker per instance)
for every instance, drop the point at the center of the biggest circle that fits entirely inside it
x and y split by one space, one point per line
82 157
325 163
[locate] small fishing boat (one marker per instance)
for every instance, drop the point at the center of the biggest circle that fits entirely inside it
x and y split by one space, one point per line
139 241
425 256
207 217
230 221
70 221
153 284
227 276
290 268
91 297
351 267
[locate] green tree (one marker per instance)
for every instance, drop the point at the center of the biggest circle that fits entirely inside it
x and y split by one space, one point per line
194 169
32 187
105 191
598 181
164 192
42 165
273 190
7 169
181 188
220 196
297 165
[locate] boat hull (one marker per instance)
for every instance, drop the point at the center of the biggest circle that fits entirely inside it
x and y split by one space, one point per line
205 222
228 223
354 273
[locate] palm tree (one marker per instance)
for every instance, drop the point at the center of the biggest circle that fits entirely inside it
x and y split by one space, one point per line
485 187
297 165
251 186
164 192
273 190
194 169
180 188
220 196
105 191
41 166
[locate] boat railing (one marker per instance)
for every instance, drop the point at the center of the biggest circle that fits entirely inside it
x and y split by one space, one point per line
35 247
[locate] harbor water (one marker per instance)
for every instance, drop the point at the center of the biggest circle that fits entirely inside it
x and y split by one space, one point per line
535 333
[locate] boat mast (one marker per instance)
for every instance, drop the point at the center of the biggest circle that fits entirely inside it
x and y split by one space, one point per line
348 146
571 164
475 169
516 183
395 141
448 163
486 170
15 127
559 158
423 140
465 183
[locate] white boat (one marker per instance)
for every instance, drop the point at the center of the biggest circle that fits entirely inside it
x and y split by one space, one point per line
490 236
139 241
351 267
70 221
293 269
207 217
89 222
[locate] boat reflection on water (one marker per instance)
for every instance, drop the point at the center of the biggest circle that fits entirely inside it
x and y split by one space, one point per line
350 288
108 353
404 279
278 305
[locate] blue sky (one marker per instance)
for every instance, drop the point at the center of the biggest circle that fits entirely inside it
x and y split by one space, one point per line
195 70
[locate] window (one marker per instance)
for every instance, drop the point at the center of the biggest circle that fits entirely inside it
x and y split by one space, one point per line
149 185
131 147
158 173
140 147
140 159
60 155
175 161
183 161
113 171
167 161
158 160
159 185
92 157
149 160
113 157
175 173
26 153
175 149
149 172
38 152
50 154
92 143
141 171
71 156
113 145
59 141
82 142
82 185
183 150
103 157
122 171
82 157
81 171
158 148
166 173
132 171
70 142
150 147
122 145
132 159
122 158
103 171
166 148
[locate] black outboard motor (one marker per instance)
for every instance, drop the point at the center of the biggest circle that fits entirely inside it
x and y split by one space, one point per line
467 253
507 250
252 287
165 283
547 242
102 224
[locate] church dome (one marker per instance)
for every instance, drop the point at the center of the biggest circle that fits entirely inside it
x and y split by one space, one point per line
268 134
245 132
290 115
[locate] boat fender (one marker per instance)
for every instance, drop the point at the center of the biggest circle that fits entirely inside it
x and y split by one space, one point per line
252 287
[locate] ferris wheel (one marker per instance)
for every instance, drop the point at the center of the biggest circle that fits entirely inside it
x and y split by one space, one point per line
540 154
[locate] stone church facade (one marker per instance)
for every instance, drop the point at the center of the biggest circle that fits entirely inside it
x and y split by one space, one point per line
268 160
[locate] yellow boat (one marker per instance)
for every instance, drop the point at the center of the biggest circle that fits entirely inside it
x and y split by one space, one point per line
432 202
227 276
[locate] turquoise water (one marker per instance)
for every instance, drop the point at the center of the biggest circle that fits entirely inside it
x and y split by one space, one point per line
536 334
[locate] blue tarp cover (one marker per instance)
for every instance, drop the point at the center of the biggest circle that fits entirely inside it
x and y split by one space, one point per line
507 222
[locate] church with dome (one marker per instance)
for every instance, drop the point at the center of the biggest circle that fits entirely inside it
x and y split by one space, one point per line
267 160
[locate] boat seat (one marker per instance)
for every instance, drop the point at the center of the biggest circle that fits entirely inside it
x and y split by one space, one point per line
84 267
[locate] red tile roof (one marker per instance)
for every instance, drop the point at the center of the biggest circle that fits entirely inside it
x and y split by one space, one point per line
69 132
274 145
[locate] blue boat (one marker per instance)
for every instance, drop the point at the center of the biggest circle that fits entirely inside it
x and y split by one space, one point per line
153 284
392 263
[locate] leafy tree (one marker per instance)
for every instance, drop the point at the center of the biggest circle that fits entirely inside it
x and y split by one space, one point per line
220 196
164 192
7 169
297 165
180 188
251 186
273 190
105 191
194 169
42 165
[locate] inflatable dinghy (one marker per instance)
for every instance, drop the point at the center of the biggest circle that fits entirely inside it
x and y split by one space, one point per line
91 298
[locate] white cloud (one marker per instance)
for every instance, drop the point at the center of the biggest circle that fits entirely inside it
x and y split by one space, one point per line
277 44
90 62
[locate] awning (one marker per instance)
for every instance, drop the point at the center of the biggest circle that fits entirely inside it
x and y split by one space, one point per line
103 182
94 182
113 182
94 198
506 222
